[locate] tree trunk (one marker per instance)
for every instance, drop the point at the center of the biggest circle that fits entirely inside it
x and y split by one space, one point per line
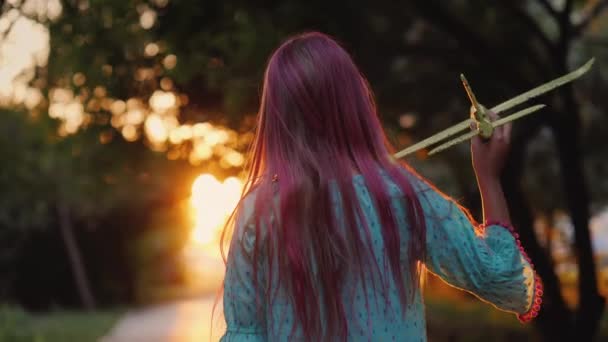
554 318
75 257
591 304
556 321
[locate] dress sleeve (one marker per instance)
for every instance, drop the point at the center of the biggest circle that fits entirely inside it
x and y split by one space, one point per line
487 261
244 310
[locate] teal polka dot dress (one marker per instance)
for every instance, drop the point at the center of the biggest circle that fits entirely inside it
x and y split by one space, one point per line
488 263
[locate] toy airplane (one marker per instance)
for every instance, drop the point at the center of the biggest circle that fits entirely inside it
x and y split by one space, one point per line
479 117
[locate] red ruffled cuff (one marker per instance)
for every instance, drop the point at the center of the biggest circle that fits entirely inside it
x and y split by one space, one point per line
537 297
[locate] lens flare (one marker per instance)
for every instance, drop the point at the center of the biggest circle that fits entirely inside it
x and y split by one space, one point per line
212 202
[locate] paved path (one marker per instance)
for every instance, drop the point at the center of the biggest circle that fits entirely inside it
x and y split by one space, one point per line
184 321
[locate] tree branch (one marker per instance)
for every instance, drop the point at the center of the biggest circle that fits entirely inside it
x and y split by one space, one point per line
4 7
565 35
592 14
565 13
597 41
473 42
533 26
549 8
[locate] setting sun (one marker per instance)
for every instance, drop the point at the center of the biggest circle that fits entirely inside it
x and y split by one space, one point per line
212 202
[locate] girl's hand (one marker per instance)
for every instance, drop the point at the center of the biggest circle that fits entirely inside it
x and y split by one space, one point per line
489 156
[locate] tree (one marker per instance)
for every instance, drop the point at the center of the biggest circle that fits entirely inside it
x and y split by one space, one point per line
548 58
211 57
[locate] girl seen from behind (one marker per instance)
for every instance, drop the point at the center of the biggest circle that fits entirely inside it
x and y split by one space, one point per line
331 233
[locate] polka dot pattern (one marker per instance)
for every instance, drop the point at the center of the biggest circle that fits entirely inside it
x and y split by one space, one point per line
487 264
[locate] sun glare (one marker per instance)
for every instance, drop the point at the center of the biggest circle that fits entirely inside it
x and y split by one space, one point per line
24 46
212 202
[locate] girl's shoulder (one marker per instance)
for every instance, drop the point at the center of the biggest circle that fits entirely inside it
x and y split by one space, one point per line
420 185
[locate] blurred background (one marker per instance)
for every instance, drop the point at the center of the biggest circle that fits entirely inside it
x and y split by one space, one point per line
124 127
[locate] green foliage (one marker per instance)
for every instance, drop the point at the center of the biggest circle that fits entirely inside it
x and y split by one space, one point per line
412 52
220 50
18 326
472 320
97 182
41 169
23 145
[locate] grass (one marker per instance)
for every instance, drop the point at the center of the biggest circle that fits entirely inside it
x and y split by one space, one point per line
450 319
60 326
472 320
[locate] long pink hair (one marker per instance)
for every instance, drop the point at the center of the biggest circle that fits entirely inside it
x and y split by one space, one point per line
318 123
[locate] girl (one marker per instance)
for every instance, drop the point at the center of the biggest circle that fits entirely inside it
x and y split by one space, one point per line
332 232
